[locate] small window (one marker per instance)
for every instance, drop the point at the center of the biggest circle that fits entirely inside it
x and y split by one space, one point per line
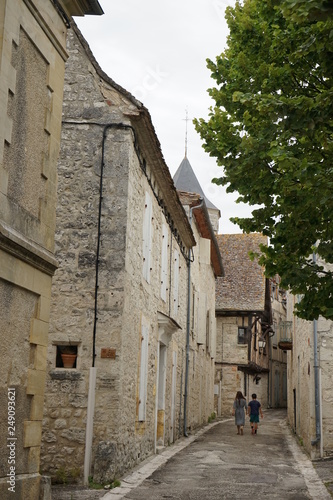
208 331
66 356
147 237
175 283
241 336
274 337
143 380
164 263
193 309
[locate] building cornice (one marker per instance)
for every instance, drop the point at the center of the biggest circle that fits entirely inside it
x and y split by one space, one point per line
81 7
22 248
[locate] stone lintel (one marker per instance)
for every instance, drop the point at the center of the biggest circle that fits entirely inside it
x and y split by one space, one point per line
166 328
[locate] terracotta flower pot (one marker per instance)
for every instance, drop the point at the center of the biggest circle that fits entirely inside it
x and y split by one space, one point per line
68 360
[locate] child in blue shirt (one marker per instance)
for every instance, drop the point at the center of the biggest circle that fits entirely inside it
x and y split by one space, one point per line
254 408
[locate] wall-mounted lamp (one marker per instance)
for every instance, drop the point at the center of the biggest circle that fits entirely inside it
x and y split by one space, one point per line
261 343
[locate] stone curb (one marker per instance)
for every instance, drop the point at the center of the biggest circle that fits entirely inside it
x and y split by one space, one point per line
304 465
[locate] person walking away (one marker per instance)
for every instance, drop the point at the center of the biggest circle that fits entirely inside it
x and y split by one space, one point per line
239 409
254 408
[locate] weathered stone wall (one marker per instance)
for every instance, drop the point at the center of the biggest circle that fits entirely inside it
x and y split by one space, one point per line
127 303
202 355
32 42
229 354
74 288
278 357
301 382
124 297
325 332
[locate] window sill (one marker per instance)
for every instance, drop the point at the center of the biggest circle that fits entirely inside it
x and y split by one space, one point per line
65 374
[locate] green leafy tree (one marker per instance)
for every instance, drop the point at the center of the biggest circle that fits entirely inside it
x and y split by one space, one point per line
271 130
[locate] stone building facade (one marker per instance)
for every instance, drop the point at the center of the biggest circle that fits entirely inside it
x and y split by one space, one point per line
310 380
120 294
278 346
32 63
244 318
204 266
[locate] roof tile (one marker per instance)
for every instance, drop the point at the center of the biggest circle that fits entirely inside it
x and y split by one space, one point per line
243 286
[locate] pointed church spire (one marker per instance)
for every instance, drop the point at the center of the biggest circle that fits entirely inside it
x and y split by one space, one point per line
186 180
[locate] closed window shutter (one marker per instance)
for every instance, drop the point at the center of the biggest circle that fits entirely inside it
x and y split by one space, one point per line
213 335
147 238
143 372
202 319
164 262
193 309
175 282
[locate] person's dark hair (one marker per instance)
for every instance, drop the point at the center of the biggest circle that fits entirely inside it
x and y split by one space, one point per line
254 396
239 395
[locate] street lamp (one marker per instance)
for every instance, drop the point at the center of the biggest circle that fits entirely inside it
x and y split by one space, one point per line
261 343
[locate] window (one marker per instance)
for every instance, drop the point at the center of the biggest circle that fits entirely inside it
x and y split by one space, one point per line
164 262
208 332
241 335
175 283
147 237
274 337
202 318
194 311
143 372
66 356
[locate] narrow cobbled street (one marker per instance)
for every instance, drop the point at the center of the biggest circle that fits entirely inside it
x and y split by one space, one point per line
216 464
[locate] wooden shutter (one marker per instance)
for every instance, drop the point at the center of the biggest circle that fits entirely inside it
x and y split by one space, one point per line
202 319
147 237
143 372
175 282
164 262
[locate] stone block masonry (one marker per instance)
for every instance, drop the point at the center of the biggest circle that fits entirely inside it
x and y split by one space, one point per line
138 398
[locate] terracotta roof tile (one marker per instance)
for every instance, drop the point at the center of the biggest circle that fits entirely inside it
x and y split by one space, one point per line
243 286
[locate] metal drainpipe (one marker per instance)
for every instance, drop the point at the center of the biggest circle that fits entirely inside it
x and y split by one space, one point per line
316 374
188 322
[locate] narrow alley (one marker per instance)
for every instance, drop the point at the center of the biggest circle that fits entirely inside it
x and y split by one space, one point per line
216 464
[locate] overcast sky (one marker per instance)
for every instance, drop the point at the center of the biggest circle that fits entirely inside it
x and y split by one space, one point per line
157 51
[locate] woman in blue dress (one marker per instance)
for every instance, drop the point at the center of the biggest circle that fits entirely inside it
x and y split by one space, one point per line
239 408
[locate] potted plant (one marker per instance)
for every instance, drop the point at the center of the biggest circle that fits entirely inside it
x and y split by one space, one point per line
68 355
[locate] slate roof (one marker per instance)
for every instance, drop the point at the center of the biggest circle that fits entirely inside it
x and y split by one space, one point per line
243 286
186 180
